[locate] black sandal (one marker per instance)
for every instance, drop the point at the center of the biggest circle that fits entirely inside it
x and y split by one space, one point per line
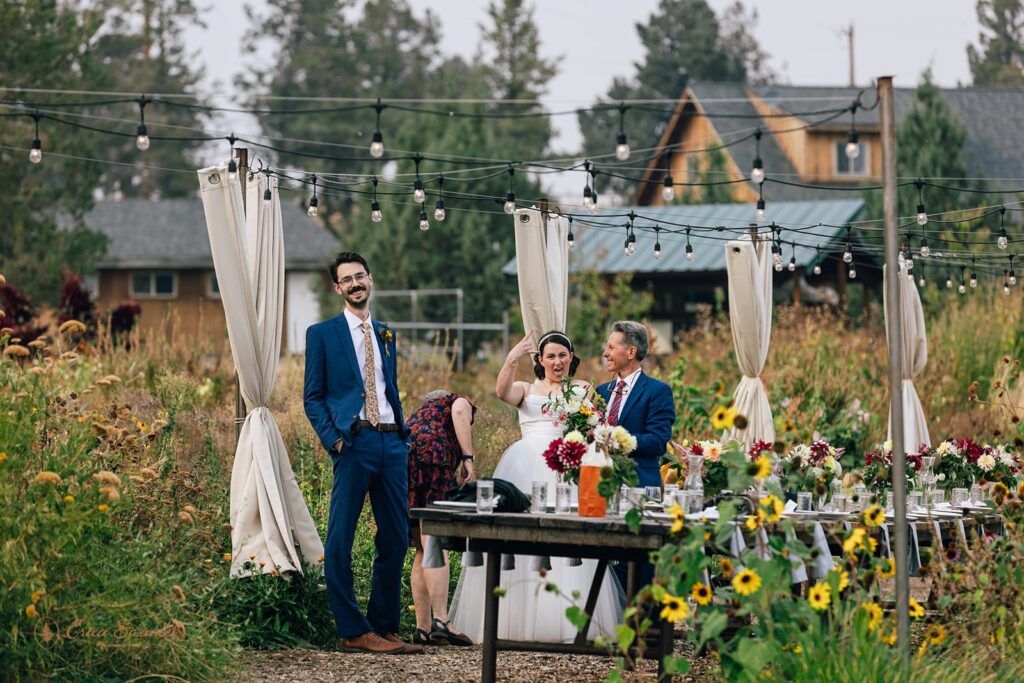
421 637
441 634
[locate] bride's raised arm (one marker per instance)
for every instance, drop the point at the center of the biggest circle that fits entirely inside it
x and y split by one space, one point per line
507 389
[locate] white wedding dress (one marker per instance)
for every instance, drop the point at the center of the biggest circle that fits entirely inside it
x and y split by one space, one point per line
526 611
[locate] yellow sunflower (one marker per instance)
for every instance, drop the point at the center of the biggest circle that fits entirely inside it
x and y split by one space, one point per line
725 567
764 467
772 507
675 609
844 579
915 608
754 521
701 594
875 614
819 596
747 582
678 515
854 540
935 635
874 515
887 569
722 418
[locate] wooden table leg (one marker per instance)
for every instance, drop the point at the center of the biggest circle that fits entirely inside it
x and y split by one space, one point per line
595 589
490 651
632 569
666 645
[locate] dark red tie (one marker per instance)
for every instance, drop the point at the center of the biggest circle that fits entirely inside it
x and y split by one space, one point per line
613 412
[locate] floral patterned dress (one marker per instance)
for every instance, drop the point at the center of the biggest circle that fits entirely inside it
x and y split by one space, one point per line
434 451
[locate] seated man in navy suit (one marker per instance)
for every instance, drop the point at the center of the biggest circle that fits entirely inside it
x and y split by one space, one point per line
351 399
642 405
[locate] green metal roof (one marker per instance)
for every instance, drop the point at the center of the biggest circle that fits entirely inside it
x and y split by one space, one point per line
599 239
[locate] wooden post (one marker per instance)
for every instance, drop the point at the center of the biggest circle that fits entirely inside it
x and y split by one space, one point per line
892 302
243 171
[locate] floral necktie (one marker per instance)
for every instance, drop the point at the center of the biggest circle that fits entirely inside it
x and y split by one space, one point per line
369 378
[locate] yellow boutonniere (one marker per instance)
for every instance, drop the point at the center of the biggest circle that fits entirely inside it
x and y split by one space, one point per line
386 337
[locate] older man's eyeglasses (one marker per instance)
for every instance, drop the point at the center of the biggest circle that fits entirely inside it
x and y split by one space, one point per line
348 281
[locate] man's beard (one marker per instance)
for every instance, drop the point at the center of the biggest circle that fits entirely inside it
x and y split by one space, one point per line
349 298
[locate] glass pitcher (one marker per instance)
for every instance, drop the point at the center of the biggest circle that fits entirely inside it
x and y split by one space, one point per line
694 479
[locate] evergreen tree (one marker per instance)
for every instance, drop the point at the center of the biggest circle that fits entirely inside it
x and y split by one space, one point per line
999 57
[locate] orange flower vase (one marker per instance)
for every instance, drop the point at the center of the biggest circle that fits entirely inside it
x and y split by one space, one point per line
592 503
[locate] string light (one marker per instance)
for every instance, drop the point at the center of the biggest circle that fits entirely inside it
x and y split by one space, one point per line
689 247
142 138
592 209
510 196
631 237
848 254
588 194
314 202
817 261
974 276
949 281
668 190
1006 284
377 141
424 223
267 195
570 239
657 243
852 146
1002 242
760 204
922 215
963 286
920 278
777 249
1013 276
439 212
375 213
925 251
853 271
621 146
419 195
35 155
757 172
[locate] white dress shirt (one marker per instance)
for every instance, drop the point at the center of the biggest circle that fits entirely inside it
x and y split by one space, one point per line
387 414
630 381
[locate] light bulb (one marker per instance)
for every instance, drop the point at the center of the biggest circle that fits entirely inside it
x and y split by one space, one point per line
510 203
1013 278
847 255
588 202
36 155
232 170
853 273
760 210
571 241
689 252
424 224
852 150
920 281
267 196
375 214
757 173
377 145
621 148
657 251
418 194
625 248
949 283
792 264
962 289
1006 288
439 214
312 211
817 269
777 260
974 281
142 141
1001 242
925 251
631 244
668 192
592 209
922 215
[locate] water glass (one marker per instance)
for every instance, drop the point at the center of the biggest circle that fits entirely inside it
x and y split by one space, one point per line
861 493
959 497
803 501
888 501
977 494
485 496
632 498
668 495
839 503
563 498
938 497
693 502
914 500
652 493
539 498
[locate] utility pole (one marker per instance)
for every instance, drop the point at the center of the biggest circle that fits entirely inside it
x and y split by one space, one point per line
243 172
849 40
892 304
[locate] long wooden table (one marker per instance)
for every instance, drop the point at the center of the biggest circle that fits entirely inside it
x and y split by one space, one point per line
602 538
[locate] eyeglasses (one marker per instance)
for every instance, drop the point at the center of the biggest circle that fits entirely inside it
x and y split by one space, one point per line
346 281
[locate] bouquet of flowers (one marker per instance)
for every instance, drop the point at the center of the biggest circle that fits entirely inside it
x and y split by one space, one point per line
878 468
565 455
812 467
962 462
576 409
714 471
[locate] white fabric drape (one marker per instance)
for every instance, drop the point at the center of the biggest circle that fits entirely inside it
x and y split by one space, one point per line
542 261
914 354
269 518
750 315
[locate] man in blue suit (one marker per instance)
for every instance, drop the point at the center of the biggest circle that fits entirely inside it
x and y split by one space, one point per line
642 405
351 399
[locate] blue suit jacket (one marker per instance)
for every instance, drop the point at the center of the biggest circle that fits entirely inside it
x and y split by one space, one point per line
333 392
648 415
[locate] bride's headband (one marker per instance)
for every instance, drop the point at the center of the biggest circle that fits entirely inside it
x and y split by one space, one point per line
555 335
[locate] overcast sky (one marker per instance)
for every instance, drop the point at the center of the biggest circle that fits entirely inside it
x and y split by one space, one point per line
595 40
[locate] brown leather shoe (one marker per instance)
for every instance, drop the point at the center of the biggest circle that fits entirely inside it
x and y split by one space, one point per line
410 648
372 643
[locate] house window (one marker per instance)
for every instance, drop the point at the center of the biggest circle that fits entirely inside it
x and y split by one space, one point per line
212 286
855 167
154 284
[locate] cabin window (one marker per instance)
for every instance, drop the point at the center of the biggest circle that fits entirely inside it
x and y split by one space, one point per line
851 167
154 284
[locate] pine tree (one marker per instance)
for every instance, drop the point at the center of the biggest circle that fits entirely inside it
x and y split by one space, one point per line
999 57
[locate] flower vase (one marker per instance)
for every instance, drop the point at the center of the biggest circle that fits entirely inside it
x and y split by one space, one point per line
591 503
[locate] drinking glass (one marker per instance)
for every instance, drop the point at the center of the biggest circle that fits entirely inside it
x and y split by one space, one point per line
539 498
652 493
938 497
861 493
563 498
914 500
485 496
977 494
959 497
668 495
633 498
839 502
803 501
888 501
693 502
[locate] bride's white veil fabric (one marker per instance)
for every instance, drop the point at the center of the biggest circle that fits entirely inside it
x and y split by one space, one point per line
542 262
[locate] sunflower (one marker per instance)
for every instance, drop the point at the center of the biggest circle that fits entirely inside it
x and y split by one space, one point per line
675 609
915 608
677 518
935 635
701 594
874 614
764 467
754 521
874 515
772 508
999 492
722 418
819 596
854 541
747 582
887 569
844 579
725 567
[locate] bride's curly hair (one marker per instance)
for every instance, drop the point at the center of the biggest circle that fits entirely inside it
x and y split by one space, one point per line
554 336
